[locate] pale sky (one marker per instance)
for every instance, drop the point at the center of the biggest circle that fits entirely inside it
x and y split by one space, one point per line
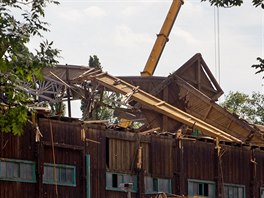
122 32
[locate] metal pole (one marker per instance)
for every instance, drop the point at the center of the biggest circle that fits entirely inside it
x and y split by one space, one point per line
128 194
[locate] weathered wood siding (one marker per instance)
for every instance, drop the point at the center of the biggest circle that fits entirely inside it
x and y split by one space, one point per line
122 155
116 151
161 157
236 164
18 148
22 147
198 160
16 189
258 170
97 151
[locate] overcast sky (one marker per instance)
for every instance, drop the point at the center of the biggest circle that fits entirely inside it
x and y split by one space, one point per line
122 32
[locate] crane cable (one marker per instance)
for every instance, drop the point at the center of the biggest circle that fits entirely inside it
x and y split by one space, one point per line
54 161
217 43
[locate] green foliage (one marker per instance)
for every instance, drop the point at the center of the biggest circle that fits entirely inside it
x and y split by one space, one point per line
248 107
259 67
105 106
19 22
231 3
94 62
14 119
98 104
91 101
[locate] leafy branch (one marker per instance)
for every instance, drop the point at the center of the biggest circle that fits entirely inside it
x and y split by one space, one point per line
17 63
259 67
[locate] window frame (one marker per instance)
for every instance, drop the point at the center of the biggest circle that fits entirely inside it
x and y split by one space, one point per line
134 189
157 180
60 166
19 162
237 186
201 182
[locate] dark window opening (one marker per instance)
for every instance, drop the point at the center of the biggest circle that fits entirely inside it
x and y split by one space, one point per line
114 181
201 188
206 193
200 192
107 152
155 185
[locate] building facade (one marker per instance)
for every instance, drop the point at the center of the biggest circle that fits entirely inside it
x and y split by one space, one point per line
74 159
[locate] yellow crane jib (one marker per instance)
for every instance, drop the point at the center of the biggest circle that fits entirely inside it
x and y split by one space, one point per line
162 39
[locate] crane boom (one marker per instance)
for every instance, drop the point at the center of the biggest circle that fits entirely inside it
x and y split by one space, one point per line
162 39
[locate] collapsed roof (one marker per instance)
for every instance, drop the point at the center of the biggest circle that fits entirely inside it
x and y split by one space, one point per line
179 103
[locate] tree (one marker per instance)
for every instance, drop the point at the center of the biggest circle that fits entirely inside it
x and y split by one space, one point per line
259 67
98 103
94 62
19 22
231 3
90 103
248 107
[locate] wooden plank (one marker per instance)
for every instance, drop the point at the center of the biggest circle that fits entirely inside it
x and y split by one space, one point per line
164 117
199 74
65 146
150 101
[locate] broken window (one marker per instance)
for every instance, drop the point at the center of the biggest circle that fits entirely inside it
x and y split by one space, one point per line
17 170
59 174
114 181
234 191
201 188
153 185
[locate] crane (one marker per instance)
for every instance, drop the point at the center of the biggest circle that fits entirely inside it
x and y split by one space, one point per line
162 38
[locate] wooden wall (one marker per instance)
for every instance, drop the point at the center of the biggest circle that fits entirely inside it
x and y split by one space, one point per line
116 151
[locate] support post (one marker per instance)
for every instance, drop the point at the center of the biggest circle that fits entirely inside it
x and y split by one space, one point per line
182 169
39 168
141 184
253 174
218 171
68 93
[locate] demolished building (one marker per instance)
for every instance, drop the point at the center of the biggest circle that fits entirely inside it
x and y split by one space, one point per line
186 145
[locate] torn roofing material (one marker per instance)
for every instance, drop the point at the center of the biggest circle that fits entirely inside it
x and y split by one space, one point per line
200 111
158 105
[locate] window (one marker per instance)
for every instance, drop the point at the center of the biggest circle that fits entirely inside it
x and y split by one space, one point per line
201 188
113 181
262 192
234 191
153 185
59 174
17 170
